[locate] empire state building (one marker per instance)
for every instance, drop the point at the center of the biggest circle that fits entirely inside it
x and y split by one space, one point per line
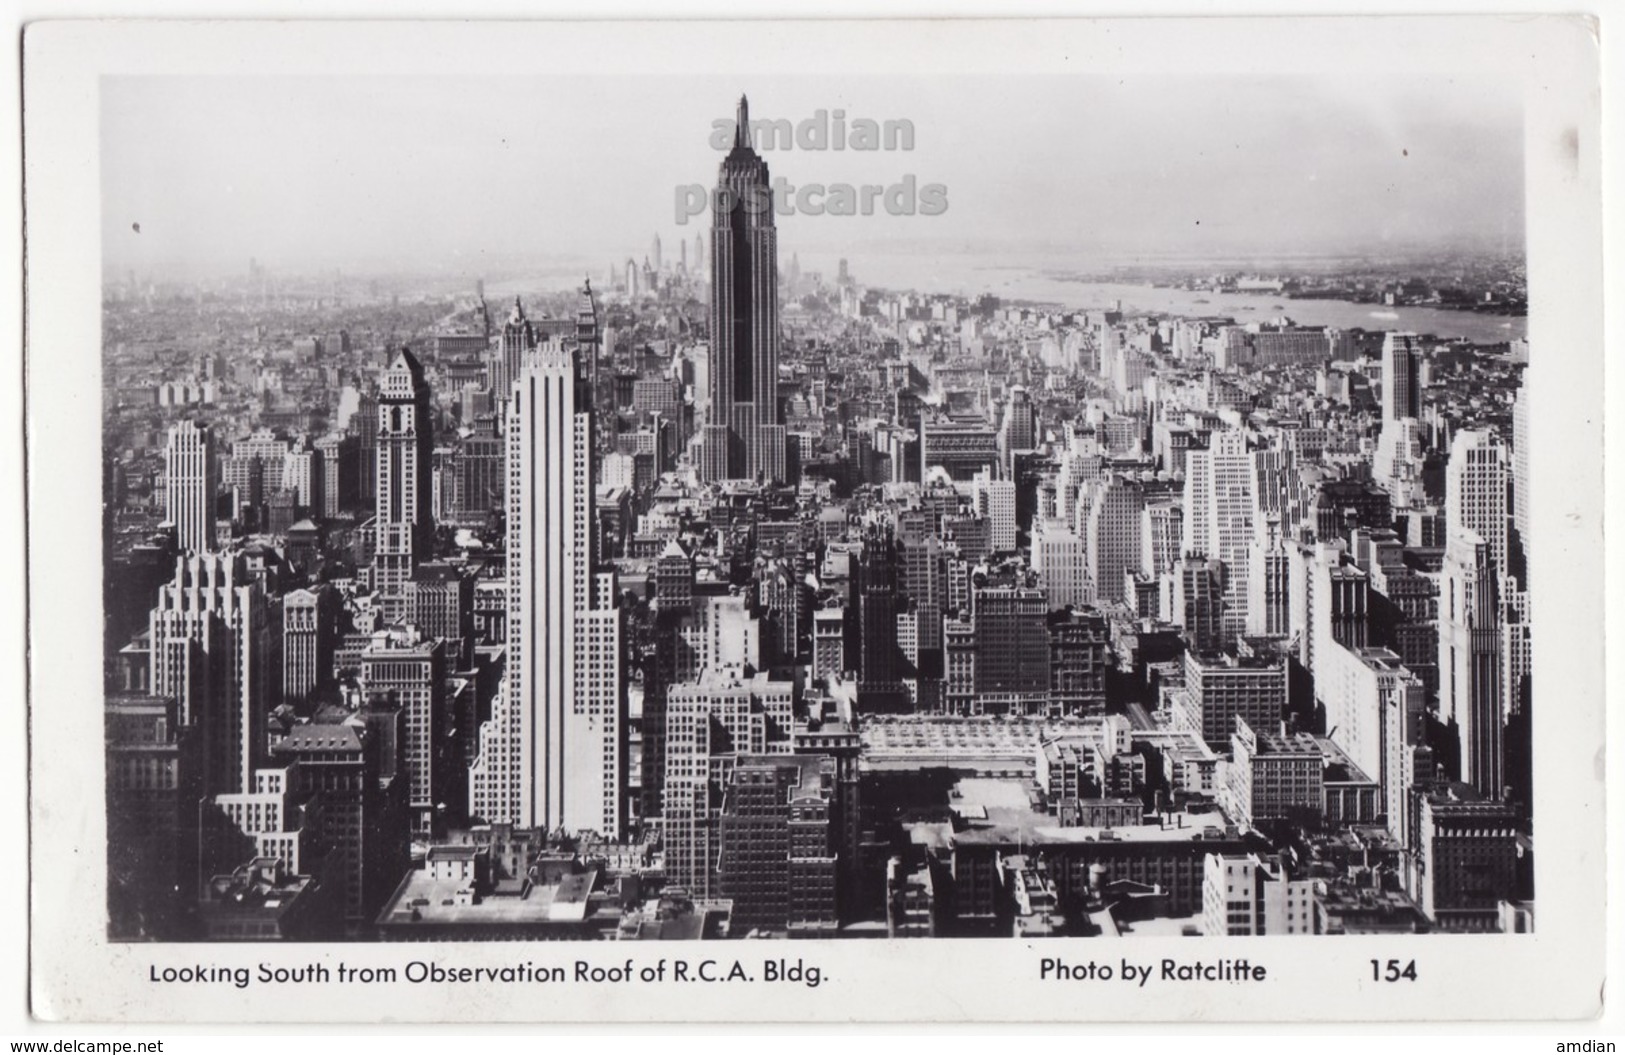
744 439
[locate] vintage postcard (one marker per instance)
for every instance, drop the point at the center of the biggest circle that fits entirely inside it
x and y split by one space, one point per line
986 521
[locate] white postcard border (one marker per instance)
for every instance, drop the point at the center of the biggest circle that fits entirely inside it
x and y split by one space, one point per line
1555 973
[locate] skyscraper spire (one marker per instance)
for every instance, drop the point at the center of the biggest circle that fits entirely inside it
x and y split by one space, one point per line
404 480
744 438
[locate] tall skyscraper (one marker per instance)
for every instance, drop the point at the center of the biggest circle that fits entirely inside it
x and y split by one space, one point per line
362 817
776 845
1219 508
518 339
996 503
307 640
1193 601
1398 465
1112 535
213 651
710 722
1269 579
1470 689
1401 387
1374 707
338 472
1520 482
1012 651
744 439
1060 558
924 580
553 752
154 782
880 662
1475 495
403 668
589 350
1018 431
365 425
405 522
191 477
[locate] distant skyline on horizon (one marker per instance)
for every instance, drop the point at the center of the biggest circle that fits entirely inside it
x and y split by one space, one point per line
460 175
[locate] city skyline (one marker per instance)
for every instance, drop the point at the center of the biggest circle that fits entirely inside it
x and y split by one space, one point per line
1164 540
1224 167
807 608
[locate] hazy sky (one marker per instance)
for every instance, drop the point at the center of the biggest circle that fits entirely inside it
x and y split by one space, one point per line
438 173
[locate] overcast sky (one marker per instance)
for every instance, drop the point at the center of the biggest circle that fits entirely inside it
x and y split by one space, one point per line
438 173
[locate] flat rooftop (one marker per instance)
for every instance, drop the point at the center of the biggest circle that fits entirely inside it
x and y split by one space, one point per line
992 794
422 899
1007 825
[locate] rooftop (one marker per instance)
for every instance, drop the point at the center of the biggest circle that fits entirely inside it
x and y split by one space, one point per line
1041 830
320 738
422 899
1340 768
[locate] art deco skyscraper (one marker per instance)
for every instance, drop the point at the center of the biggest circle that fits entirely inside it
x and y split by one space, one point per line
405 520
213 651
1399 448
1473 585
1219 507
744 439
1401 377
1520 484
1475 495
1018 431
191 477
553 754
1112 535
518 339
1470 686
589 351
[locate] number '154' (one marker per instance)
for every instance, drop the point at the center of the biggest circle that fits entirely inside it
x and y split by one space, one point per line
1391 971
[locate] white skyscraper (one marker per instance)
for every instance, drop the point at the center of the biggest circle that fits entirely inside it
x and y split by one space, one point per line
1373 708
1060 559
1269 603
1399 463
1112 535
1219 518
996 501
213 650
1162 529
552 754
191 477
1475 496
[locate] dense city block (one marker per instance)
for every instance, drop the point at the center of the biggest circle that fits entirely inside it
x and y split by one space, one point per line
706 599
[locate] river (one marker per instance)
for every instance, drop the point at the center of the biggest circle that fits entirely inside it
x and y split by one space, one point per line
950 273
971 275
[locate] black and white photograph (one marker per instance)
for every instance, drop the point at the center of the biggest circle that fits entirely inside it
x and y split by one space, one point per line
1093 509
